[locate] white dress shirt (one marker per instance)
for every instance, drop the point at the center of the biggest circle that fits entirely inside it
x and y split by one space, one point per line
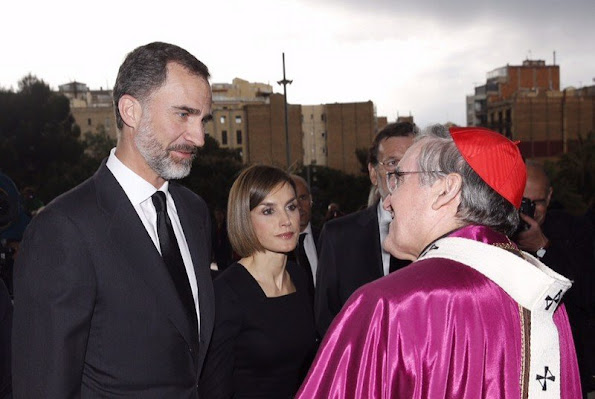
310 248
139 192
384 219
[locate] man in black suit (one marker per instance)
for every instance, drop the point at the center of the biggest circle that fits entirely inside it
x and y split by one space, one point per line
306 251
5 329
564 242
113 295
350 247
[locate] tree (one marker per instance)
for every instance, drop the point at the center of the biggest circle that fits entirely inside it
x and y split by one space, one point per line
331 185
39 141
362 158
573 176
98 145
213 172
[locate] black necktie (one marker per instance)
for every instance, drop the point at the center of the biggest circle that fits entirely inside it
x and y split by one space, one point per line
303 261
170 252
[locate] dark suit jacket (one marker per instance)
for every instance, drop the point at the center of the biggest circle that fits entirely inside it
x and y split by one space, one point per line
5 329
96 312
316 236
570 253
349 256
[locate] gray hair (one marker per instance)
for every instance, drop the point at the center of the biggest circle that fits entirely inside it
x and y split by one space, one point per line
480 204
145 70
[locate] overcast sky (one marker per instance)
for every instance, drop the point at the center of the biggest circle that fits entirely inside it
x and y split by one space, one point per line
407 56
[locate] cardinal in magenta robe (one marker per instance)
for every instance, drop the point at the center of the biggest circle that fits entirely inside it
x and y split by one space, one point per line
473 316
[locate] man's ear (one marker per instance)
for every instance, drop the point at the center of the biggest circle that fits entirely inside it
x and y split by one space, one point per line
130 110
373 174
447 191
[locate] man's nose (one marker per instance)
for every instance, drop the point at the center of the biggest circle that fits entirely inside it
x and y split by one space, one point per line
386 203
196 134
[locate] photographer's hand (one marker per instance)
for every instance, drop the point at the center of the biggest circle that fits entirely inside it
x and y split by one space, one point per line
532 239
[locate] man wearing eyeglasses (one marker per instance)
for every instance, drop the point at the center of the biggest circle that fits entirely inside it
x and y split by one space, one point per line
472 316
350 247
565 243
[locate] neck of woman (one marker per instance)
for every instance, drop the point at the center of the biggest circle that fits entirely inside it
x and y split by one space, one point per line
268 269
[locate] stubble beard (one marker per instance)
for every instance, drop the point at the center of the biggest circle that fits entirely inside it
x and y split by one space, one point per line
159 158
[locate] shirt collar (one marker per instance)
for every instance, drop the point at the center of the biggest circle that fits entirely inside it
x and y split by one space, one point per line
136 188
308 229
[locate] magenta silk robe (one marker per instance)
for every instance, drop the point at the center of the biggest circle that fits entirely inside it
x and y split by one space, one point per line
435 329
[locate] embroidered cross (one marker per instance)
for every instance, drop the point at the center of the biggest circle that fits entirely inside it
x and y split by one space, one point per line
549 301
543 378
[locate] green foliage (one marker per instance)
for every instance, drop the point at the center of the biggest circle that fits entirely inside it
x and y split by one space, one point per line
213 172
331 185
573 176
98 145
362 158
39 141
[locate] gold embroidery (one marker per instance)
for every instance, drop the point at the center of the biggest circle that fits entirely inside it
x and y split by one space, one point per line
525 318
510 247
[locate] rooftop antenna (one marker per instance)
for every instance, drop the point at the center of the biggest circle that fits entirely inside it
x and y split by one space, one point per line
285 82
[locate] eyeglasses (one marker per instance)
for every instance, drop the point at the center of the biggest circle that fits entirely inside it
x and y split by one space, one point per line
390 164
394 179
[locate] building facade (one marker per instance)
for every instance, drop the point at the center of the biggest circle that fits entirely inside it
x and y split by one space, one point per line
315 134
93 110
525 103
350 126
249 117
229 126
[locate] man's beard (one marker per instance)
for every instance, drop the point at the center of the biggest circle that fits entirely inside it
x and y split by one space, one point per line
159 158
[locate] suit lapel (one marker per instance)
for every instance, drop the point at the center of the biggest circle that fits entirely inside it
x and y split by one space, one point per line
369 222
136 249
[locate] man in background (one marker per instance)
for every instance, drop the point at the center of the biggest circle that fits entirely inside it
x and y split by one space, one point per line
565 243
306 252
5 331
350 250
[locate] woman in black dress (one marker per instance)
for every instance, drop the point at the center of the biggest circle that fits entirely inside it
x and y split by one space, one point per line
264 335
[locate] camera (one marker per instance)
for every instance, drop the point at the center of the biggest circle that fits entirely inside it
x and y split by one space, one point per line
528 208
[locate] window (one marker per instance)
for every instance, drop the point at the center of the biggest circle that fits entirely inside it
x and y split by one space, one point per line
323 117
89 122
224 137
239 136
222 119
238 119
323 134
